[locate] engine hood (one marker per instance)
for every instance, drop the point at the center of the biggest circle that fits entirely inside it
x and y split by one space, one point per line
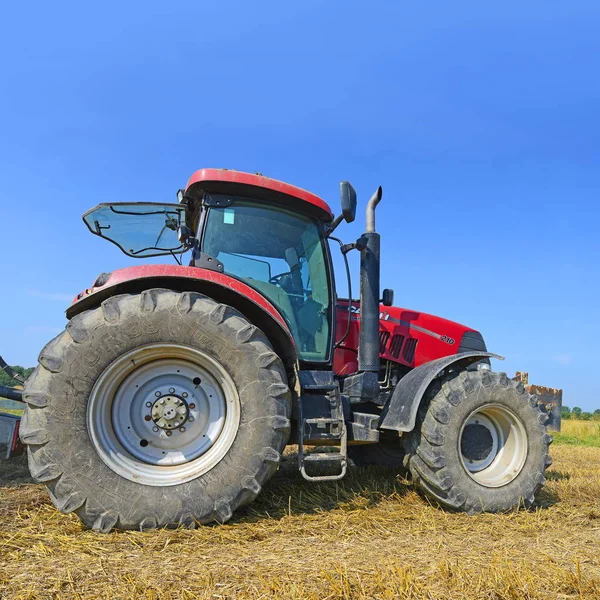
406 336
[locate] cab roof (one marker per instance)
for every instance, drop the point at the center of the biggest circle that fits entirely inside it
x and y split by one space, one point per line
225 181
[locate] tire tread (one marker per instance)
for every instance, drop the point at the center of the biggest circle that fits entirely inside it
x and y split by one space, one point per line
425 453
65 493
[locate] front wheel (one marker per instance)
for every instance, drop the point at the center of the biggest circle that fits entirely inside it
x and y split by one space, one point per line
480 443
157 409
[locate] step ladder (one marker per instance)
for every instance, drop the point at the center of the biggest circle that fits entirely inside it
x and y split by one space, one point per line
331 430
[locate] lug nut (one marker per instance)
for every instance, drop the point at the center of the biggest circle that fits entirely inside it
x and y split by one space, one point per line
182 429
191 419
148 417
171 390
161 401
184 394
155 429
157 394
148 404
176 424
192 406
169 433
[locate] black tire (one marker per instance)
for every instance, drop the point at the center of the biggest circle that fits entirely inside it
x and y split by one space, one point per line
63 457
388 452
433 449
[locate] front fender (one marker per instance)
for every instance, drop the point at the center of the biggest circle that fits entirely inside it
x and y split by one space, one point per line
400 412
219 286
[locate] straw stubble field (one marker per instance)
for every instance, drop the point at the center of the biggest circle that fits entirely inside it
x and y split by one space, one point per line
368 536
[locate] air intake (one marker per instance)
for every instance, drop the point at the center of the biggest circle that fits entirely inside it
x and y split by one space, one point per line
396 345
384 337
409 349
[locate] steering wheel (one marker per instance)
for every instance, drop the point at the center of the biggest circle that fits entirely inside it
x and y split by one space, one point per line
277 278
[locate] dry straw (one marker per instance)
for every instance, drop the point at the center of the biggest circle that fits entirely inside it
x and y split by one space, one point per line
369 536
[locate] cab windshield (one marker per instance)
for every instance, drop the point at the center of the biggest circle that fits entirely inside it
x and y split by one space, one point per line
281 254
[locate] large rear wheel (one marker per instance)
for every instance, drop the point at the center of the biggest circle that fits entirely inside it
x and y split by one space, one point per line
157 409
480 443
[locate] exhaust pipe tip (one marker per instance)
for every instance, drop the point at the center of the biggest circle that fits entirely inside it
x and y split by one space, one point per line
371 204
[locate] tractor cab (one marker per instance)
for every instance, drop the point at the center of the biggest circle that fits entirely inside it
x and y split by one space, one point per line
274 241
282 254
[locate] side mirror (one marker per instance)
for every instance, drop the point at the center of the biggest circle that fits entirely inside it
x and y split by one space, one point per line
348 201
388 297
180 195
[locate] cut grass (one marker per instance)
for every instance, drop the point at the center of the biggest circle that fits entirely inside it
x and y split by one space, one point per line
578 433
367 536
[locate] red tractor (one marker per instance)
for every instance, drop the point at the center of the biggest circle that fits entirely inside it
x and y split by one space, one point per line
172 393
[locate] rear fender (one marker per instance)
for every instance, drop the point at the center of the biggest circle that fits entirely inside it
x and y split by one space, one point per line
400 412
223 288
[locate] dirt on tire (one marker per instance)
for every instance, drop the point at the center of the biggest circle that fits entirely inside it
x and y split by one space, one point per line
433 454
54 426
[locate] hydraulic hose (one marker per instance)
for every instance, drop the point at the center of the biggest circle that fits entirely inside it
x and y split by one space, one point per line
11 393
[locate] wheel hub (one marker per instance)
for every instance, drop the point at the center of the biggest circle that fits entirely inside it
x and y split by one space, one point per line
477 442
493 445
162 414
170 412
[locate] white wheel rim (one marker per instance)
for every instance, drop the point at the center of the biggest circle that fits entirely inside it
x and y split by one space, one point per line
170 442
493 445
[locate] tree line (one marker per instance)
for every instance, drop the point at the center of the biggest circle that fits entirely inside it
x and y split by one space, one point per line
8 381
577 413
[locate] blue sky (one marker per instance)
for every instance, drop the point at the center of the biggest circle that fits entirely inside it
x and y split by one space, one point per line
480 120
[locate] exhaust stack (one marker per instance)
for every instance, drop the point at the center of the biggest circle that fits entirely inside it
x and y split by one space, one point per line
368 348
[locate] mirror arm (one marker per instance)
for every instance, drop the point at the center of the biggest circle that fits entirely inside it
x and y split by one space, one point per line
333 225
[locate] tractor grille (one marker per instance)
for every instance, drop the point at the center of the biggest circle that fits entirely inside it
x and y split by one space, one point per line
396 345
384 337
409 349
